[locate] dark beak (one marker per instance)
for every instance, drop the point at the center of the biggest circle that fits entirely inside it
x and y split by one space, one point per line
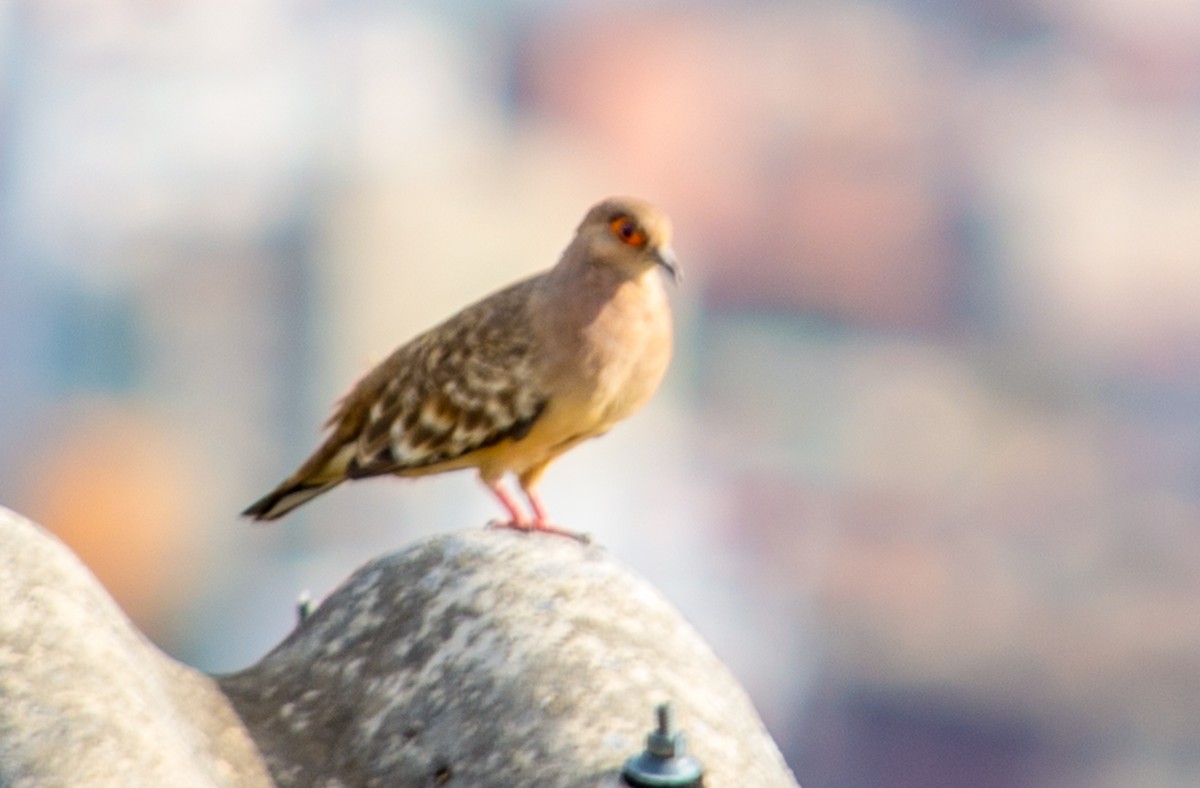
665 256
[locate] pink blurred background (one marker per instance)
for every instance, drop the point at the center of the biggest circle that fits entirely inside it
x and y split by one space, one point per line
926 470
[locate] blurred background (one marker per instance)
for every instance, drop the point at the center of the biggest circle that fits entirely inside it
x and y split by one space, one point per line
926 470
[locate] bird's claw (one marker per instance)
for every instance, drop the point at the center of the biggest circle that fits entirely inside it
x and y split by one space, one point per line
578 536
546 528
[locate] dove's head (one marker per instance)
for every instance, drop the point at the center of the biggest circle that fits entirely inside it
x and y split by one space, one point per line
630 234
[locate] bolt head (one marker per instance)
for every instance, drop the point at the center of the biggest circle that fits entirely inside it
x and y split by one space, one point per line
650 771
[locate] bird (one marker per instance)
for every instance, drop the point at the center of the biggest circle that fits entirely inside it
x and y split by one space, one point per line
514 380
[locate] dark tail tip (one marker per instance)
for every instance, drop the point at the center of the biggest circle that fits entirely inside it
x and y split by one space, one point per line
283 499
260 509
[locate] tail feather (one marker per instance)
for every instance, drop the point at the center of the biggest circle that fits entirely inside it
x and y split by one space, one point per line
320 473
287 497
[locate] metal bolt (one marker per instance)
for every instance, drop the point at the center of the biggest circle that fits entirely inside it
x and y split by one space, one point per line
665 762
304 606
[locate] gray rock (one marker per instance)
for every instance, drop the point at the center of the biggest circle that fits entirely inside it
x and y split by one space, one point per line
86 700
477 659
493 658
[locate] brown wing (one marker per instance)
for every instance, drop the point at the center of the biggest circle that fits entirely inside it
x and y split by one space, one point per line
465 385
460 387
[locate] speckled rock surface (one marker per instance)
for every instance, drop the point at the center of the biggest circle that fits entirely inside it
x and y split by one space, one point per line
85 699
493 658
487 658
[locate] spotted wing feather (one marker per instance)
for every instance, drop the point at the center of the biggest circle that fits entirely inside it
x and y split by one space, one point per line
461 387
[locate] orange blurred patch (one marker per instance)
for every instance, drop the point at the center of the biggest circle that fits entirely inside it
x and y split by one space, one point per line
111 483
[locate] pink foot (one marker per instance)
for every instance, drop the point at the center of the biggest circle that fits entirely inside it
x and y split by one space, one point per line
519 522
498 524
541 522
547 528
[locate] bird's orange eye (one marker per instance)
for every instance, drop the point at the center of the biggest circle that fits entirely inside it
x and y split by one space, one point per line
627 230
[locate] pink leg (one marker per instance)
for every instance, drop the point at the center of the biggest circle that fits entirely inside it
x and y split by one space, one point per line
539 509
517 519
541 521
